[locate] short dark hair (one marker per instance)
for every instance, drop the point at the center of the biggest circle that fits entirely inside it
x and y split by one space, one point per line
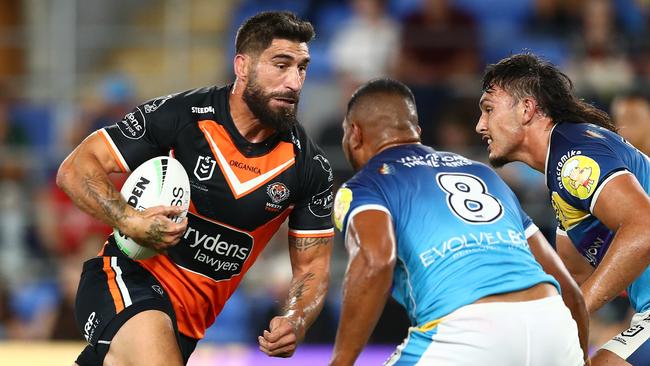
257 32
526 74
381 86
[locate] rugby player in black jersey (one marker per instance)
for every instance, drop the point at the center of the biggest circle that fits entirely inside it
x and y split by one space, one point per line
250 166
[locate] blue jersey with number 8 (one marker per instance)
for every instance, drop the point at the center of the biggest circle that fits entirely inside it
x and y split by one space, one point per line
461 233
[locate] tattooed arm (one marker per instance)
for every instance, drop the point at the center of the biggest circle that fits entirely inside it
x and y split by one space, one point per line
370 241
83 176
310 258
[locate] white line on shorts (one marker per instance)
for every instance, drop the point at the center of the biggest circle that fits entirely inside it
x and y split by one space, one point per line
120 282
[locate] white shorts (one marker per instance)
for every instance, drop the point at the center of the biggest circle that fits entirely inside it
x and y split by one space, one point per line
528 333
633 344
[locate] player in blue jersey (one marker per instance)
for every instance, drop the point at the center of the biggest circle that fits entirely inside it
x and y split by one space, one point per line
447 236
598 184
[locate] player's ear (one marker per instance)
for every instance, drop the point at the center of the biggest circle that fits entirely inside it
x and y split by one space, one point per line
241 64
356 137
529 109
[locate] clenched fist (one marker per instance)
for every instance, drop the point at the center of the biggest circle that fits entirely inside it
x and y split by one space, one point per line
281 339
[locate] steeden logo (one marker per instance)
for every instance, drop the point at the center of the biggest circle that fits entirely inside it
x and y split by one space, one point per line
203 110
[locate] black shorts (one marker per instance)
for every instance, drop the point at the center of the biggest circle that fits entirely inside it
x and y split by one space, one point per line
112 289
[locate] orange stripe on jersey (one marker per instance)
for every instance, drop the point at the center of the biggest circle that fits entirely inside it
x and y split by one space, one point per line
197 299
242 173
194 297
113 152
316 234
112 285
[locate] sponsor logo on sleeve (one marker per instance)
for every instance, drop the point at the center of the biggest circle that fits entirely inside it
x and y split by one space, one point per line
155 104
204 167
325 164
321 203
133 125
593 252
342 203
579 176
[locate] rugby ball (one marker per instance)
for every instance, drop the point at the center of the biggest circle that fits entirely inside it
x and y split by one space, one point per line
158 181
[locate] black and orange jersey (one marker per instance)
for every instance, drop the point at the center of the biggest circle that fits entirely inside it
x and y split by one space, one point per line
241 192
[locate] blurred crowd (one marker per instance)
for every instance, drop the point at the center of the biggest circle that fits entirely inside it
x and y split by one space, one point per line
438 47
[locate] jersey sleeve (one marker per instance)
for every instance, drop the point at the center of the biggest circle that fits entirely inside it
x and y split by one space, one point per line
581 177
149 130
354 197
312 213
529 226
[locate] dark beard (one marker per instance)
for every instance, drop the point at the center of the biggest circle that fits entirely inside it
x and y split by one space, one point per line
281 119
499 162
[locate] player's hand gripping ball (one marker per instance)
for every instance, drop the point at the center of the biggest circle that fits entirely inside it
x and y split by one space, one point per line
158 181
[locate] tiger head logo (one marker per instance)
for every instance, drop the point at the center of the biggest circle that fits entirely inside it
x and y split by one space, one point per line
278 192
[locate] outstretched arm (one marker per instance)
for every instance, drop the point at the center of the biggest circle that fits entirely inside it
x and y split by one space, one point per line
552 264
624 207
310 263
83 176
371 245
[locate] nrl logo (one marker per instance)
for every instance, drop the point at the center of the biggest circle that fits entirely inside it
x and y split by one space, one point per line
278 192
204 167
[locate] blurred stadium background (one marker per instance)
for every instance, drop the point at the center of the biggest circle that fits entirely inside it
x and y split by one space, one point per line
68 67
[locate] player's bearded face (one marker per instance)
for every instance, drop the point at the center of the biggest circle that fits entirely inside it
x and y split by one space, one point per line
281 118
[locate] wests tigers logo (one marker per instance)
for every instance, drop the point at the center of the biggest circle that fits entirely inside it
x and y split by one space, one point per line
278 192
